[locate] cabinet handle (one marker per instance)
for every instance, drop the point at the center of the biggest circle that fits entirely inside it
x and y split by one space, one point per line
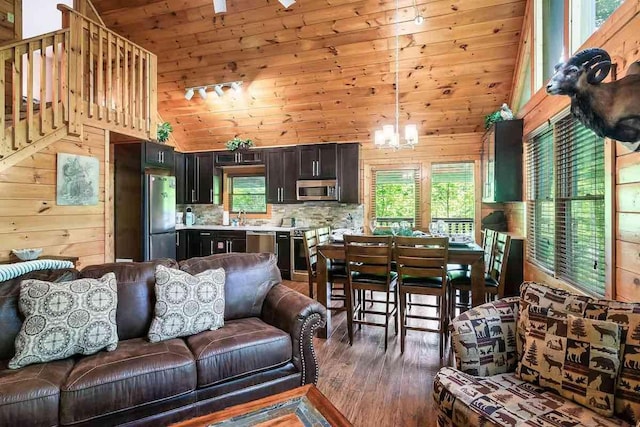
162 156
338 195
193 195
313 169
197 178
211 195
205 234
230 245
159 156
282 194
211 245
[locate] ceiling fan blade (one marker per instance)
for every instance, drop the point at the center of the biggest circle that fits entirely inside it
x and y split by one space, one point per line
219 6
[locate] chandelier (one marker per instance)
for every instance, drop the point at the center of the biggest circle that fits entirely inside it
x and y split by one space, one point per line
389 135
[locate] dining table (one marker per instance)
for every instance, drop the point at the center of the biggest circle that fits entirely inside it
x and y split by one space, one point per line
466 254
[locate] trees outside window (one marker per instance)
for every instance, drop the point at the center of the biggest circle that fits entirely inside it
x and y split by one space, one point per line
248 194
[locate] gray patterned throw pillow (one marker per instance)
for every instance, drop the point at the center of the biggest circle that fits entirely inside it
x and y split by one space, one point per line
186 304
67 318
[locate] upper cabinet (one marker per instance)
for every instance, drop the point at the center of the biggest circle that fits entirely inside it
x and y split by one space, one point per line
502 162
317 161
348 185
158 155
201 179
181 185
236 158
281 175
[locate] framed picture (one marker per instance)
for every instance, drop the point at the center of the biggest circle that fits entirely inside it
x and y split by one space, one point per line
77 180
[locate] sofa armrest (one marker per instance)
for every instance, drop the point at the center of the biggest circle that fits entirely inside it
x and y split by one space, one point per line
484 338
300 316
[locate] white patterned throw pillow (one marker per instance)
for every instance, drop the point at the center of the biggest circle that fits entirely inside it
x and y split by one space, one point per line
186 304
66 318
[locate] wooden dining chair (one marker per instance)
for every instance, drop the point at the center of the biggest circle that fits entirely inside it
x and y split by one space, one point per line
369 269
422 270
495 272
336 274
337 268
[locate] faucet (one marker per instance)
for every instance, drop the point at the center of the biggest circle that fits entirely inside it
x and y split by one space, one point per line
241 217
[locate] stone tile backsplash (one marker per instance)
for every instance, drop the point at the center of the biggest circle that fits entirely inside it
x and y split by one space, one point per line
315 214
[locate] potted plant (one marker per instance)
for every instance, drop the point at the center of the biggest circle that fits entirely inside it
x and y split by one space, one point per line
164 130
239 144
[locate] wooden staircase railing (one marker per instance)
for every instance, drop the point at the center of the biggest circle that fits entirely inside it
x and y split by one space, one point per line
82 74
33 76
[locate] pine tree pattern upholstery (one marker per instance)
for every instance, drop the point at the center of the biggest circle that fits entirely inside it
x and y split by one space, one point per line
484 338
578 358
503 400
450 383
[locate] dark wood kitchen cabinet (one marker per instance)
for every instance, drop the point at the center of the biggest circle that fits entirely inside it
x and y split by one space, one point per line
180 173
201 243
502 162
158 155
227 241
182 245
348 181
203 182
281 175
283 249
317 161
236 158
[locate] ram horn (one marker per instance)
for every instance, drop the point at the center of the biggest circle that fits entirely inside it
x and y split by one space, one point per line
596 62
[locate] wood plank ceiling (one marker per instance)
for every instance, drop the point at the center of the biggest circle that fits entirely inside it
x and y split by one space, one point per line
323 70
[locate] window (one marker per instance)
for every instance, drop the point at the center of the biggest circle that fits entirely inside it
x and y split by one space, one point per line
587 16
552 36
248 193
453 195
565 204
396 196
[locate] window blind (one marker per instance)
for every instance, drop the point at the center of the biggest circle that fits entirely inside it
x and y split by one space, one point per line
452 191
580 206
395 196
540 200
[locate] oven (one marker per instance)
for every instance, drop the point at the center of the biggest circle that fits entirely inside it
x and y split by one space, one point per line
298 257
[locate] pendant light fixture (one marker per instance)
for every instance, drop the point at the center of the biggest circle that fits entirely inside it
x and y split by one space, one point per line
389 135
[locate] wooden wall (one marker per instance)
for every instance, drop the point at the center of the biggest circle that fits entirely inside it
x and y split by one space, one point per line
10 31
621 38
323 71
30 218
432 149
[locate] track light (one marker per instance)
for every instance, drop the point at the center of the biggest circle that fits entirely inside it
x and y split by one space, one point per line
287 3
218 89
219 6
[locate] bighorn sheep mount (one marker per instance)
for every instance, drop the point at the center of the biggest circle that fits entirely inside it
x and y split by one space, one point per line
612 109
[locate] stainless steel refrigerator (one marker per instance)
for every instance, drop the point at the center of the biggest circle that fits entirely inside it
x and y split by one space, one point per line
159 217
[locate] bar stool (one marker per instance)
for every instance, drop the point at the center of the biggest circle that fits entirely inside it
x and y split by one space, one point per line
336 274
422 270
369 269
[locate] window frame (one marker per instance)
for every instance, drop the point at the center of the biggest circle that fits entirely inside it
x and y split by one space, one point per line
559 199
417 169
231 193
456 225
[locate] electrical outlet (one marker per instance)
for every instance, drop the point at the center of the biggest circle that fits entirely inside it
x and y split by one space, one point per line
11 17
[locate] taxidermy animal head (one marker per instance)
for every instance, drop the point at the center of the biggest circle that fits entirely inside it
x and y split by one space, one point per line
612 109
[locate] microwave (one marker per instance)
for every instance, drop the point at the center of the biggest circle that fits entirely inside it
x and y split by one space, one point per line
314 190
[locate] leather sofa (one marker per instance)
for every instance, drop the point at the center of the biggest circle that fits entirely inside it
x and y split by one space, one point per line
265 347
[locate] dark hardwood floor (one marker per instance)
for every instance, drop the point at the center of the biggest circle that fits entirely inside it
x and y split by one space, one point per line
374 388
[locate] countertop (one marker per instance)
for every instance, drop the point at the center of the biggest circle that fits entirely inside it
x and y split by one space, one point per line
234 228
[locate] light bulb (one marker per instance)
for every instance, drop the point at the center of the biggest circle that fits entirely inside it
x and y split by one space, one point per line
411 134
237 87
202 92
287 3
388 131
379 138
188 94
219 6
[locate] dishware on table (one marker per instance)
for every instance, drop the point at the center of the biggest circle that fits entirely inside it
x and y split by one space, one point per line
373 225
27 254
433 228
395 228
442 228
